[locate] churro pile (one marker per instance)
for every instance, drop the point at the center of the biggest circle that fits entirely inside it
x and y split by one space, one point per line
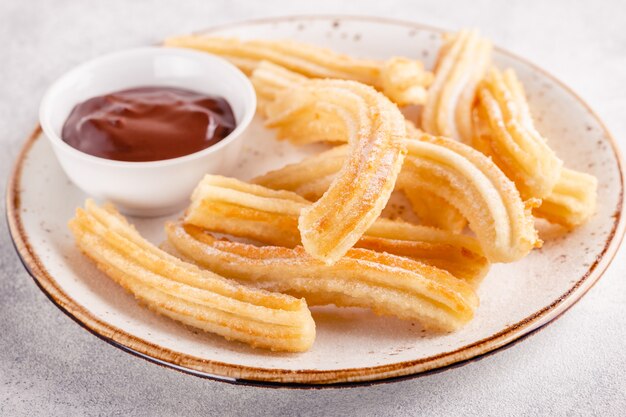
473 166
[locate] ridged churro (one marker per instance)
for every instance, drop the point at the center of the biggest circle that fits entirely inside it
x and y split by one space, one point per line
375 128
466 179
461 64
403 80
471 182
387 284
572 200
431 209
227 205
505 131
312 176
185 293
230 206
461 255
269 79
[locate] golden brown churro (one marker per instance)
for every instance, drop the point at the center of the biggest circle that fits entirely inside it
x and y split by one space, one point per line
269 79
463 177
431 209
387 284
233 207
312 176
403 80
375 128
472 183
506 133
572 201
462 62
184 292
458 254
227 205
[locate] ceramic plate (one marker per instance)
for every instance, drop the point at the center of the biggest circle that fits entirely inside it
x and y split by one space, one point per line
352 345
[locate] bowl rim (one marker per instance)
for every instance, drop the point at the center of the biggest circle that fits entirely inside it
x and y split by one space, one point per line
47 102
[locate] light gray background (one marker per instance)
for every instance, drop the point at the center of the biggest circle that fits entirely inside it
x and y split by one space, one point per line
51 366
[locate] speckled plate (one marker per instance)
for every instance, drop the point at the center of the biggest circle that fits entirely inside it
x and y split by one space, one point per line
352 345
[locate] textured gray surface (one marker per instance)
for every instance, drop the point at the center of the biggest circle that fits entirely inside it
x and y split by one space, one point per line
51 366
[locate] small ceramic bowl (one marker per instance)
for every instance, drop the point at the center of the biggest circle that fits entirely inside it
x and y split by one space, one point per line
147 188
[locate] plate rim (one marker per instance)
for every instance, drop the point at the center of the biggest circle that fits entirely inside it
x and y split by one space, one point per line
307 378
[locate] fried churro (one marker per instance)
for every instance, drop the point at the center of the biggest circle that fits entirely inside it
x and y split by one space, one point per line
431 209
466 179
507 134
461 255
471 182
233 207
461 64
269 79
374 127
403 80
185 293
572 200
312 176
387 284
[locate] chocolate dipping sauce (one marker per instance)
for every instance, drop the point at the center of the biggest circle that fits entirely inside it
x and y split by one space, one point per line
148 124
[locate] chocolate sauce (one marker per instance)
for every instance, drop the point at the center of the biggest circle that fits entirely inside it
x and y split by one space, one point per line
148 124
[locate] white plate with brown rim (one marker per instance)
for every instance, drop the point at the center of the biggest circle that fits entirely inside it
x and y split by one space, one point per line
352 346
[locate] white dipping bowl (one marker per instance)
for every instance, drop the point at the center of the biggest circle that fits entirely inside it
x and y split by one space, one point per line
147 188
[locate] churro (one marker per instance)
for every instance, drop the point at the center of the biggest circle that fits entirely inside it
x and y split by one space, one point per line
460 255
387 284
463 177
269 79
431 209
403 80
471 182
312 176
506 133
233 207
461 64
185 293
374 127
572 200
